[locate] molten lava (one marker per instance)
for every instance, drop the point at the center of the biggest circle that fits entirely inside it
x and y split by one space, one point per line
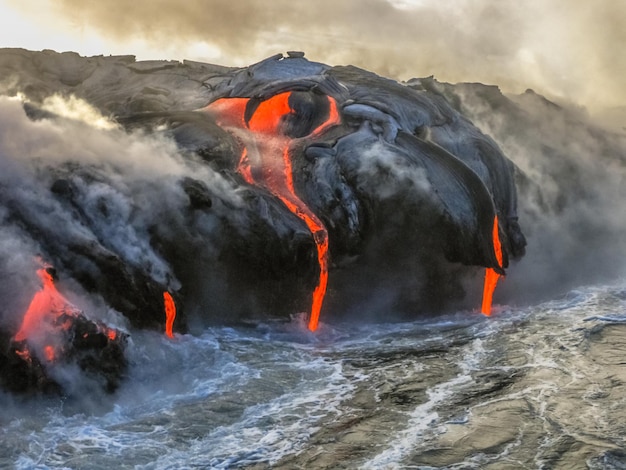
47 313
46 306
491 276
272 168
170 313
50 322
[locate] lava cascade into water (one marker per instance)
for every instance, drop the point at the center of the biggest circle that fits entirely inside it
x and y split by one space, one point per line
170 313
273 168
491 276
46 316
47 305
47 319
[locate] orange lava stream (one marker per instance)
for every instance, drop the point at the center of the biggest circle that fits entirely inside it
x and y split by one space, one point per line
230 111
320 236
170 313
333 118
39 319
491 276
276 174
47 316
48 302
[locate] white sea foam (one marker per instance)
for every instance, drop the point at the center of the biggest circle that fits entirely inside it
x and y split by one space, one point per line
424 418
270 393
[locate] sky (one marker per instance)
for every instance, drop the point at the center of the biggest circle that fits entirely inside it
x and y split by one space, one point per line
571 50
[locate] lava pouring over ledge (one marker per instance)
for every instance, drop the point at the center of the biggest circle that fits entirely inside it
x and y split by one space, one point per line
276 124
48 321
55 334
491 276
47 306
170 313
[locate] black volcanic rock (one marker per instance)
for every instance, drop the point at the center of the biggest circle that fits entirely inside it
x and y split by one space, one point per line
95 349
406 186
156 197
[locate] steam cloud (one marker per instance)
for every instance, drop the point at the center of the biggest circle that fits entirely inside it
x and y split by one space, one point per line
571 197
131 183
562 48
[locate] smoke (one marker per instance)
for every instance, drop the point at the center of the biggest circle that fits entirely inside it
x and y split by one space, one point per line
567 49
571 192
79 185
391 173
78 110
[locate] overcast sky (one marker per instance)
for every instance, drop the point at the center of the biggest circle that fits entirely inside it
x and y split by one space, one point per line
571 49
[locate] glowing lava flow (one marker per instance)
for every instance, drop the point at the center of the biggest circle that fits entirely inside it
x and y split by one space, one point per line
491 277
51 322
46 305
45 316
170 313
269 123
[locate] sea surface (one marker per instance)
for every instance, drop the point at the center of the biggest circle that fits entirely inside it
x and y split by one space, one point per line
538 387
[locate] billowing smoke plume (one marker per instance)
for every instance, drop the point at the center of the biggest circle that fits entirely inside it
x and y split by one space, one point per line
80 190
571 188
562 48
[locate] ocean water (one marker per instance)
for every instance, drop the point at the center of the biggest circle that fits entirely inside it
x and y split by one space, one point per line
542 387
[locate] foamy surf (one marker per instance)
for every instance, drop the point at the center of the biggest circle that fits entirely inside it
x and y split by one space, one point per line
449 392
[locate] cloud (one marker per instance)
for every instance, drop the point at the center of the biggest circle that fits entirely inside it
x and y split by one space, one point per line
567 49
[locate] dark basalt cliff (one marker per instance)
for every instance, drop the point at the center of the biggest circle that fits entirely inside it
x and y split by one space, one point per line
405 185
236 189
